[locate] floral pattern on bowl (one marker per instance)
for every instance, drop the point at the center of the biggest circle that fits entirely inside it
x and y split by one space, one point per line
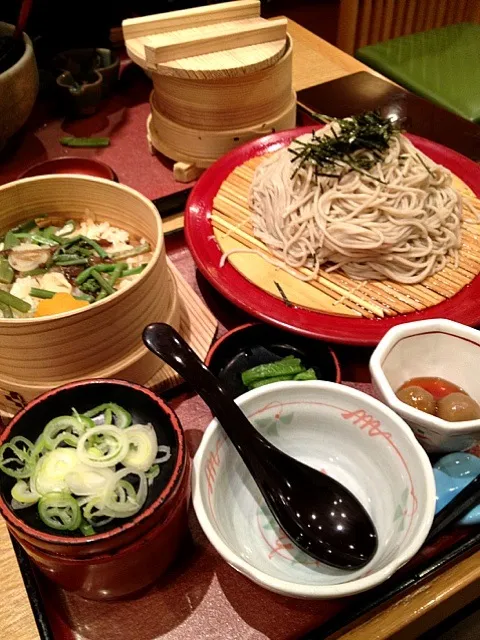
349 438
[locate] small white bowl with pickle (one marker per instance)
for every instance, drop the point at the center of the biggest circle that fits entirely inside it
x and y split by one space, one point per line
432 365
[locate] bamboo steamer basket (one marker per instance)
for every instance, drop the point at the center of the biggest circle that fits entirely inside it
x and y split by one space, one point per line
105 338
222 76
201 147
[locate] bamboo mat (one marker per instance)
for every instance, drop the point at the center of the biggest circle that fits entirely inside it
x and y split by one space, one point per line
334 293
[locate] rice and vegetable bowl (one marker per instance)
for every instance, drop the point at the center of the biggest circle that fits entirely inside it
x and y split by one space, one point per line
50 265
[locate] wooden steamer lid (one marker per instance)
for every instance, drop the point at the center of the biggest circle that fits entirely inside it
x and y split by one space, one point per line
222 40
222 75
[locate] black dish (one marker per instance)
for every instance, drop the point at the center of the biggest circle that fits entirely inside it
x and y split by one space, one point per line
253 344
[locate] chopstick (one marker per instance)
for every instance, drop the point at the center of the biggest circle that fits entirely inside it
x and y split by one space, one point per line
461 504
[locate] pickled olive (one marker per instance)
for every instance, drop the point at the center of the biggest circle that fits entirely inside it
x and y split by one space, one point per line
418 398
457 407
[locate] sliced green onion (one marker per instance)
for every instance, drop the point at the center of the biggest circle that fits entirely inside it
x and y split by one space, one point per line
22 463
41 293
14 302
52 468
60 511
143 445
86 529
115 450
21 493
130 253
122 417
152 473
63 429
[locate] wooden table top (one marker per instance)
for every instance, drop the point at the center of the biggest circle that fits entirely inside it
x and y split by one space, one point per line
315 61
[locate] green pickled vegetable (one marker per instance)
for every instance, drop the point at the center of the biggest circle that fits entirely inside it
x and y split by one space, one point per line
41 293
7 274
84 142
14 302
86 528
262 383
285 367
309 374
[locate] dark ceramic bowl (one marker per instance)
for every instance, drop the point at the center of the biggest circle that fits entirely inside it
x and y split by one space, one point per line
145 407
71 164
252 344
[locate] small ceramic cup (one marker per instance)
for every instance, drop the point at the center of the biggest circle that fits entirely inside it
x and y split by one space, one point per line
131 554
429 348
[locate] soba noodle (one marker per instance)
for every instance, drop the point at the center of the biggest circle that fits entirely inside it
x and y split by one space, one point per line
399 220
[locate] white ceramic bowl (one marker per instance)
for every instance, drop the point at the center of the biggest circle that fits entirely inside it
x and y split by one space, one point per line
343 432
437 348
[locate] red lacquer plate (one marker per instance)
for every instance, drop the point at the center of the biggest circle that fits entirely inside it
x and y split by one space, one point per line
464 307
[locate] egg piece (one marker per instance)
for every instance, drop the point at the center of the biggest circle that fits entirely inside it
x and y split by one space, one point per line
60 303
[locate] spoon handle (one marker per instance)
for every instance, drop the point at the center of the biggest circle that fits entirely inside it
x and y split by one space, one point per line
465 500
167 344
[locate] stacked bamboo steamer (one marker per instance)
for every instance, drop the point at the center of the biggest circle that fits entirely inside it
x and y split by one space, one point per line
104 339
221 75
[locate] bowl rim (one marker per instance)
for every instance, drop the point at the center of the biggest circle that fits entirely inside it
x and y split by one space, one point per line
28 53
419 328
67 158
180 463
248 325
295 589
156 252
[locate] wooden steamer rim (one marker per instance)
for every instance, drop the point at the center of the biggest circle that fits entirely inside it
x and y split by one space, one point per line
79 343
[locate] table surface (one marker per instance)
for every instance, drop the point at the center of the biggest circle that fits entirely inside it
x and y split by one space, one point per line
315 62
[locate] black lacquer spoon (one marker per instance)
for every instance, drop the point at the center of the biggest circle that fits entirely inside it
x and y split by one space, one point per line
318 514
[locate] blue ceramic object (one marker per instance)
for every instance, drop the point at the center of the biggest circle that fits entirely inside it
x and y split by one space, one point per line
452 473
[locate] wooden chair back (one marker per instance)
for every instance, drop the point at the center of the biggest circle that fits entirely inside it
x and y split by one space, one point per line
363 22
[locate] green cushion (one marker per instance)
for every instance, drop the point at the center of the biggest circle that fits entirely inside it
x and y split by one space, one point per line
442 65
